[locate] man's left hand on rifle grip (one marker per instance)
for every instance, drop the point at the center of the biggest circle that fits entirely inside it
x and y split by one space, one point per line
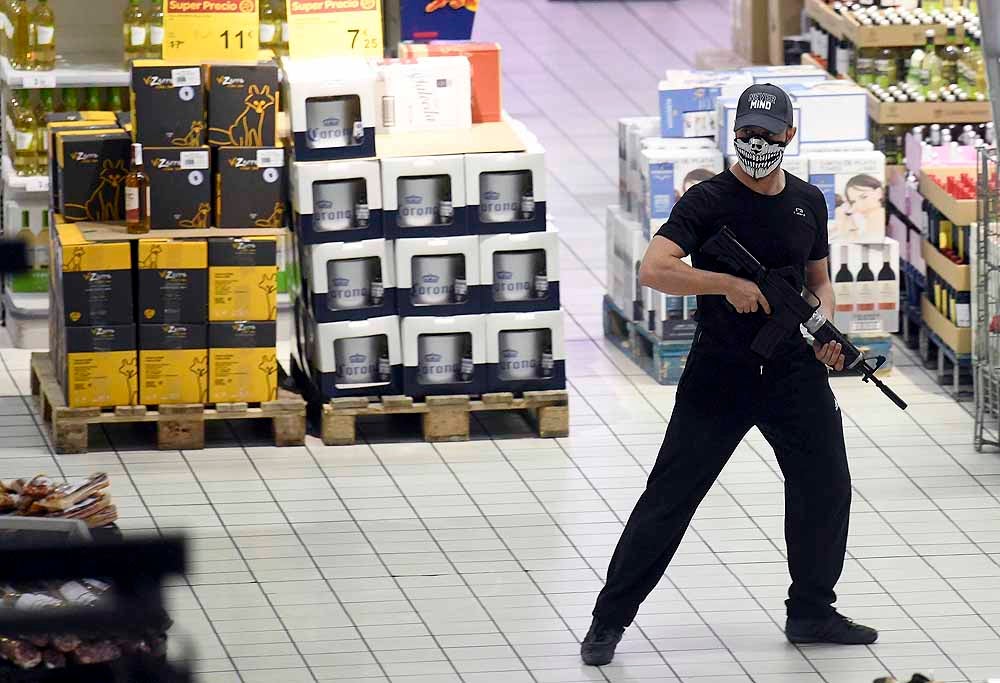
830 354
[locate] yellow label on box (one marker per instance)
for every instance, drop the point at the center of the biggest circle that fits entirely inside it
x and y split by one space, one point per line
101 379
325 28
242 293
210 30
238 375
173 376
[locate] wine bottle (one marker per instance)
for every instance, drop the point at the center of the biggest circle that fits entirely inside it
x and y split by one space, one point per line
865 284
843 284
137 214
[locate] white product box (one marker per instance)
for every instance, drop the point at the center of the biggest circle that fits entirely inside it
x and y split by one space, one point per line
674 316
832 111
356 357
726 133
329 199
331 107
444 355
638 127
439 276
627 246
853 184
866 286
807 148
343 280
520 271
525 351
785 76
637 145
427 93
424 196
665 175
506 191
687 100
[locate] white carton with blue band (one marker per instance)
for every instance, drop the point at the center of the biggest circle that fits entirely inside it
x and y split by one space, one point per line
355 358
525 351
349 280
336 201
445 355
687 100
506 191
424 196
639 127
520 271
439 276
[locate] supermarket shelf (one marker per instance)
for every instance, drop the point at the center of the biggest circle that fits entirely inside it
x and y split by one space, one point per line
928 112
80 74
823 14
34 183
873 36
958 211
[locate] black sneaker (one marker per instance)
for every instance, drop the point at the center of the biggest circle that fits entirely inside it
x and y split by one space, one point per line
598 648
836 629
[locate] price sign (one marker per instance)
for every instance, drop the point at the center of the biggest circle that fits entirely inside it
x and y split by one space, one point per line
210 30
324 28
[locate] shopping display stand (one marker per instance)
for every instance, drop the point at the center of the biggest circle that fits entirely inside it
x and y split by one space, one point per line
663 360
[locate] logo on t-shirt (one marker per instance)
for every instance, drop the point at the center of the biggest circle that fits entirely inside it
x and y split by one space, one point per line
799 212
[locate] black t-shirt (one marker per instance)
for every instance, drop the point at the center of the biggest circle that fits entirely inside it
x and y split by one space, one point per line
782 231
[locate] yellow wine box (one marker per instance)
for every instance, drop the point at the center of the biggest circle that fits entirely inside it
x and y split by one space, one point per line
172 278
242 278
94 279
242 362
173 364
100 366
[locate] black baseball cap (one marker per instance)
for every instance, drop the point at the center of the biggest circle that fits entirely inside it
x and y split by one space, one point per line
764 106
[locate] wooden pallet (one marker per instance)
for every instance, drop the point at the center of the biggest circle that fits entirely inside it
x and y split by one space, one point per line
179 427
446 418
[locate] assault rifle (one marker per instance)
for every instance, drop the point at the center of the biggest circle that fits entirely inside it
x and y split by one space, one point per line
789 310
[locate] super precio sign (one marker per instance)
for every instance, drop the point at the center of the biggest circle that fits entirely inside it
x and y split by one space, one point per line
211 30
323 28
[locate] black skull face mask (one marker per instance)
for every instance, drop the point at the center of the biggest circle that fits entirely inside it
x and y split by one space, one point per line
758 157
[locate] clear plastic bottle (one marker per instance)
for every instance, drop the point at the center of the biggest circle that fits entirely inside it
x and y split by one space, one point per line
135 32
155 30
42 36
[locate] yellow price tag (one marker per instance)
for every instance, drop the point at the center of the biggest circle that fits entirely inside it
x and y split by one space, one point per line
324 28
210 30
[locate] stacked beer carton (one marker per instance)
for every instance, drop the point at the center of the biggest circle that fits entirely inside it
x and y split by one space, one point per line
415 275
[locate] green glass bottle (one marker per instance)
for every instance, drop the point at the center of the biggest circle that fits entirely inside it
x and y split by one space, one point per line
70 99
115 100
93 102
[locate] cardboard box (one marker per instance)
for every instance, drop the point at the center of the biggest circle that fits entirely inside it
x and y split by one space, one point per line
331 106
959 277
788 75
665 175
357 357
93 280
958 339
866 286
425 197
430 93
100 366
506 192
337 201
173 364
636 127
914 113
350 280
525 351
180 187
168 104
92 167
853 184
172 281
242 362
438 276
509 287
445 355
487 79
48 139
250 187
242 278
831 111
243 104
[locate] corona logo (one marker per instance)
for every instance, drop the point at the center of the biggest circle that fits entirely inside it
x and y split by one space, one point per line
324 204
341 282
358 358
491 196
413 199
508 354
430 279
505 275
432 358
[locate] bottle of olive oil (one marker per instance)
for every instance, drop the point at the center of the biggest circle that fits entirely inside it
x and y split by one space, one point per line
42 23
135 32
25 135
269 26
155 30
20 42
44 107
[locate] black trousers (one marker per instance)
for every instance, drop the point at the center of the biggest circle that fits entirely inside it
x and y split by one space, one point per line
721 396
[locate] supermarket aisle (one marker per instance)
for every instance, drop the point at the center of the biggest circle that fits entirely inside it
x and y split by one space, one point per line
479 561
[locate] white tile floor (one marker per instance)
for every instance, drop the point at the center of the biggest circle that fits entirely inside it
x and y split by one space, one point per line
479 562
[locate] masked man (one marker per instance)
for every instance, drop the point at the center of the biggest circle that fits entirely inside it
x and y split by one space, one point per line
727 389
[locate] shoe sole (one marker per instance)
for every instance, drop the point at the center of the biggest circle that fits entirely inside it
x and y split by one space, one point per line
812 641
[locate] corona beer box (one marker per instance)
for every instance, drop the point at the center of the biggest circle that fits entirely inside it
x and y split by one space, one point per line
242 362
438 276
242 104
52 129
93 279
250 187
350 280
445 355
180 187
173 364
520 272
337 201
242 278
100 366
172 281
168 104
356 357
424 196
525 351
505 192
92 166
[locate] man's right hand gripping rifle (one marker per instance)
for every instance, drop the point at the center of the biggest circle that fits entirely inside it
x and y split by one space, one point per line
787 309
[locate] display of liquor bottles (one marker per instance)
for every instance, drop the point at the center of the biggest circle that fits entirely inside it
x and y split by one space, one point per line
950 56
886 71
42 37
930 67
135 32
45 106
137 216
115 100
70 99
270 26
19 35
155 50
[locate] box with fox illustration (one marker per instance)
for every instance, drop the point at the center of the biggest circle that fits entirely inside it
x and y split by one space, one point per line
242 104
92 169
168 104
173 364
250 187
180 187
242 362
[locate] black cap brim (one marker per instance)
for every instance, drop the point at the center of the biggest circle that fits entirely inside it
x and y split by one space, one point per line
758 119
